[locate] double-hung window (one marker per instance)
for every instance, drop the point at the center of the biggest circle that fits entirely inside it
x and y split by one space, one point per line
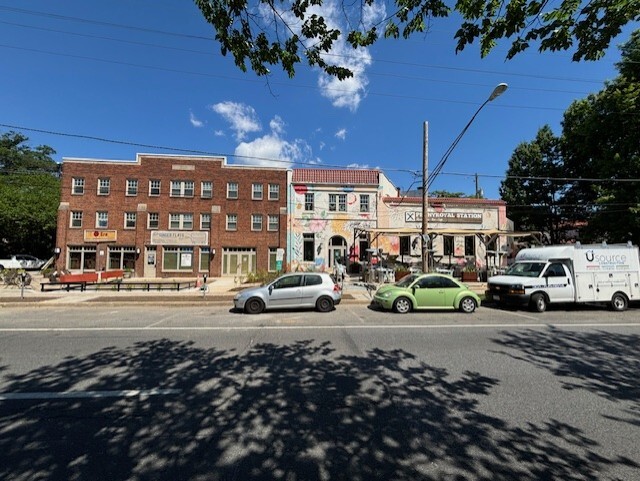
256 192
132 186
256 222
78 186
364 203
153 220
232 221
76 218
338 202
232 190
102 220
154 188
274 191
206 189
205 221
273 224
103 186
129 220
182 188
181 221
308 202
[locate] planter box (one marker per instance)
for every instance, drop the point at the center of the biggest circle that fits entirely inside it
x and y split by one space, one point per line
469 277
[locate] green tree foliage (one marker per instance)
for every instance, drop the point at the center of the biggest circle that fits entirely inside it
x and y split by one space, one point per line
264 33
601 140
531 193
29 197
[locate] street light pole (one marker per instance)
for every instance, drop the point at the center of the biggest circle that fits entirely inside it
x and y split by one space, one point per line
428 180
425 198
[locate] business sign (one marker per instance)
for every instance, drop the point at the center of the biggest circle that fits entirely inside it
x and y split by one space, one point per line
179 238
100 235
446 216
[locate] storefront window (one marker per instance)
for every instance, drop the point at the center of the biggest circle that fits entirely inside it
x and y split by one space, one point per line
177 259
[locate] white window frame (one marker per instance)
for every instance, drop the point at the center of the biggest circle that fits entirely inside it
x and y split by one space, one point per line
76 219
205 221
184 221
232 222
274 191
231 190
257 191
182 188
156 217
206 189
273 223
256 222
130 219
102 217
104 186
365 205
154 187
180 253
132 187
77 187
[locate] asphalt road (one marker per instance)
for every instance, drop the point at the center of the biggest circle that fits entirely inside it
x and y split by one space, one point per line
160 393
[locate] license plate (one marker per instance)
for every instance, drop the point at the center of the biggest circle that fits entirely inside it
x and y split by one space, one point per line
496 297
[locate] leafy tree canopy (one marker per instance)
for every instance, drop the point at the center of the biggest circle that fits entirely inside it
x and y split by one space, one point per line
29 197
262 33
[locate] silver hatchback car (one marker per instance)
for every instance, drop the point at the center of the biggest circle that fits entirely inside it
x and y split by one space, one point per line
295 290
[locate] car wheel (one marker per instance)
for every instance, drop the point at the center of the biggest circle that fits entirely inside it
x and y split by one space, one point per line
402 305
324 304
619 302
254 306
539 302
468 305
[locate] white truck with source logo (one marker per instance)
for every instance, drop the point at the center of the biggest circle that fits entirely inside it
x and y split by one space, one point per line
607 274
12 263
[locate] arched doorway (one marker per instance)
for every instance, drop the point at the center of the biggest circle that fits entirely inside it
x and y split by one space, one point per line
337 250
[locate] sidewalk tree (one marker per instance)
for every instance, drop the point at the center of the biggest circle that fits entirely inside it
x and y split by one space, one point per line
29 197
324 33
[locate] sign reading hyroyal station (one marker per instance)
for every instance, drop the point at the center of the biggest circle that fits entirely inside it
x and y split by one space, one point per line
446 216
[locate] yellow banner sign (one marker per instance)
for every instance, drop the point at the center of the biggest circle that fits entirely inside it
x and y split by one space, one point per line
100 235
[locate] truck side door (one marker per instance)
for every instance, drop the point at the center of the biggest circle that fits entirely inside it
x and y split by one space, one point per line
559 284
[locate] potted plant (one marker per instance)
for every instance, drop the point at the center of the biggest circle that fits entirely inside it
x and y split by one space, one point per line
400 272
470 273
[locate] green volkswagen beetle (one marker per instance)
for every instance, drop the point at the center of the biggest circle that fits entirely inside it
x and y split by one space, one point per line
426 291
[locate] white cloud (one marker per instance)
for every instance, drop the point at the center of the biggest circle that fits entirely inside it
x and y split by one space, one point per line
272 150
341 134
243 118
350 92
194 121
357 166
218 133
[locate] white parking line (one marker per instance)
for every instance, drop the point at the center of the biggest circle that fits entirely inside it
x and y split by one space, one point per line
19 396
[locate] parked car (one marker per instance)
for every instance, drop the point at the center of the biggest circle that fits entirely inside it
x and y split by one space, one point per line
29 262
295 290
426 291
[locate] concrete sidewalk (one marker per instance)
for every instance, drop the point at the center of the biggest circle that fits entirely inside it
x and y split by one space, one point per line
219 290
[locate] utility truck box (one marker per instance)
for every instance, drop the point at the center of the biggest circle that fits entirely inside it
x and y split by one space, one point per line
608 274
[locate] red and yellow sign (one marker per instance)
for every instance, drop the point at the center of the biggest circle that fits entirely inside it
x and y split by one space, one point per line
100 235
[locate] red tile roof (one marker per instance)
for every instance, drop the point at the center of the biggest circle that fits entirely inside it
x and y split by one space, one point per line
335 176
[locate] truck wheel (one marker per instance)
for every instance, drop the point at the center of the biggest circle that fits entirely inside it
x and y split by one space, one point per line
619 302
538 302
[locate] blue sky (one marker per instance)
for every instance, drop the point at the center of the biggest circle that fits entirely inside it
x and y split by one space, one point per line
149 72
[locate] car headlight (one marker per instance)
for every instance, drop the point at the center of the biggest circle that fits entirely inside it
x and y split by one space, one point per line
516 289
384 294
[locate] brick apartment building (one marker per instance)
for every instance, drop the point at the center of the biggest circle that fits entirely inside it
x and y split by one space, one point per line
171 216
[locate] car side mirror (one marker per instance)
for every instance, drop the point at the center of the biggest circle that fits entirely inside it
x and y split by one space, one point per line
270 289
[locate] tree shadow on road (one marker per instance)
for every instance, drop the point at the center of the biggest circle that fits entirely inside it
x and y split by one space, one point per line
276 412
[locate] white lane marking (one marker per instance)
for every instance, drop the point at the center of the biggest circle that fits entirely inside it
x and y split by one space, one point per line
85 394
347 326
161 321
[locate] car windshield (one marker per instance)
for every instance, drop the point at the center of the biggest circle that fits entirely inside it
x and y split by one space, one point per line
526 269
407 280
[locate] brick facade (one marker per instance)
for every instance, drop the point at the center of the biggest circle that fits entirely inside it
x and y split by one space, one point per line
170 249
